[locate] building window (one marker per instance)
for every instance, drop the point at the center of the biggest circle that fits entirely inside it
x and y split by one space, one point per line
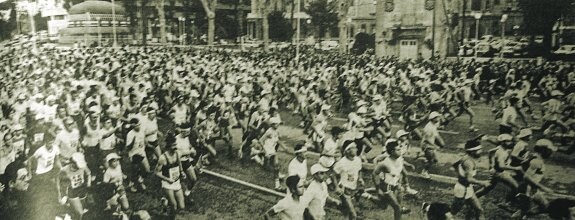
476 5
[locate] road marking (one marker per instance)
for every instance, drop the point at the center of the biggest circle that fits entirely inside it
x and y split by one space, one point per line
399 126
243 183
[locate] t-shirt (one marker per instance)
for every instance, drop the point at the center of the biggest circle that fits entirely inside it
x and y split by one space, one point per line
150 128
68 142
297 168
317 193
45 159
348 171
114 175
509 116
137 140
289 209
430 132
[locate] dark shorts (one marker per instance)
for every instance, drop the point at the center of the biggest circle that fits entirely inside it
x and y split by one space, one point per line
78 193
186 164
430 155
504 129
136 159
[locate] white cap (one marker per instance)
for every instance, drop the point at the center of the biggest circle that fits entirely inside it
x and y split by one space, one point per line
326 107
546 143
504 137
318 168
362 110
18 127
194 93
401 133
434 115
112 156
556 93
326 161
524 133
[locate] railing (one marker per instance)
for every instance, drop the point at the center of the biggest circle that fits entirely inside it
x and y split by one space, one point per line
94 17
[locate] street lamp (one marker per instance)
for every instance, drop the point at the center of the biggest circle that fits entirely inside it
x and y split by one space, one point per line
182 29
298 13
477 16
99 33
349 20
503 20
115 44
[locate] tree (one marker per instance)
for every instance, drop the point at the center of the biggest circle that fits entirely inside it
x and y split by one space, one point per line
539 17
323 15
279 27
7 26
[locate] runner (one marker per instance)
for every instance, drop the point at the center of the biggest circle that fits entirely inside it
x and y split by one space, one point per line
270 143
466 169
170 171
293 206
430 142
348 170
317 192
73 183
386 176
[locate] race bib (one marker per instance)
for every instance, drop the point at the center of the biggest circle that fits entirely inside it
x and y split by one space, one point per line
38 137
174 173
77 180
49 161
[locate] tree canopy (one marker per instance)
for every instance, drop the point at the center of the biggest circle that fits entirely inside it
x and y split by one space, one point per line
539 17
323 15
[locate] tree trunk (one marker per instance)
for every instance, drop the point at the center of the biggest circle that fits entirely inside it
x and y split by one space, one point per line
342 24
211 28
162 18
266 29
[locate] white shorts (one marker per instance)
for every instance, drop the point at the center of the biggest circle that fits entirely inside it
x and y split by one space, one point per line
172 186
462 192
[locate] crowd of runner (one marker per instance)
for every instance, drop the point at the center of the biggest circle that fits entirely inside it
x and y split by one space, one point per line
81 120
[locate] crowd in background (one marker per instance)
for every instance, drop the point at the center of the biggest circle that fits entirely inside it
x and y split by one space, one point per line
79 120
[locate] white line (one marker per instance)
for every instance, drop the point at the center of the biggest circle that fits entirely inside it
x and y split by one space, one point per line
243 183
398 126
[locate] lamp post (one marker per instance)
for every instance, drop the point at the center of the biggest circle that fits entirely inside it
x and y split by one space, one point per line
182 29
477 17
298 6
503 20
115 44
346 45
99 33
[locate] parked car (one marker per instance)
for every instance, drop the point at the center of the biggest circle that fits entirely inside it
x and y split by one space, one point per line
484 50
565 50
328 45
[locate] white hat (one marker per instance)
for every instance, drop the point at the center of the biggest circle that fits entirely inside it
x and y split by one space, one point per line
349 146
265 92
194 93
326 107
318 168
524 133
17 127
546 143
275 120
377 97
556 93
326 161
78 158
39 116
112 156
22 96
51 98
361 103
401 133
504 137
362 110
434 115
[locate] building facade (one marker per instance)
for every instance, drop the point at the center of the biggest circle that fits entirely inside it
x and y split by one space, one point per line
426 28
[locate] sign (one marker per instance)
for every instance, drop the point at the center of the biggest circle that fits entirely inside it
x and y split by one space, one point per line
389 6
429 5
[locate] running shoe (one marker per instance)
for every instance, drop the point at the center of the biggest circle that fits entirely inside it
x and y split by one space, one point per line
411 191
425 174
